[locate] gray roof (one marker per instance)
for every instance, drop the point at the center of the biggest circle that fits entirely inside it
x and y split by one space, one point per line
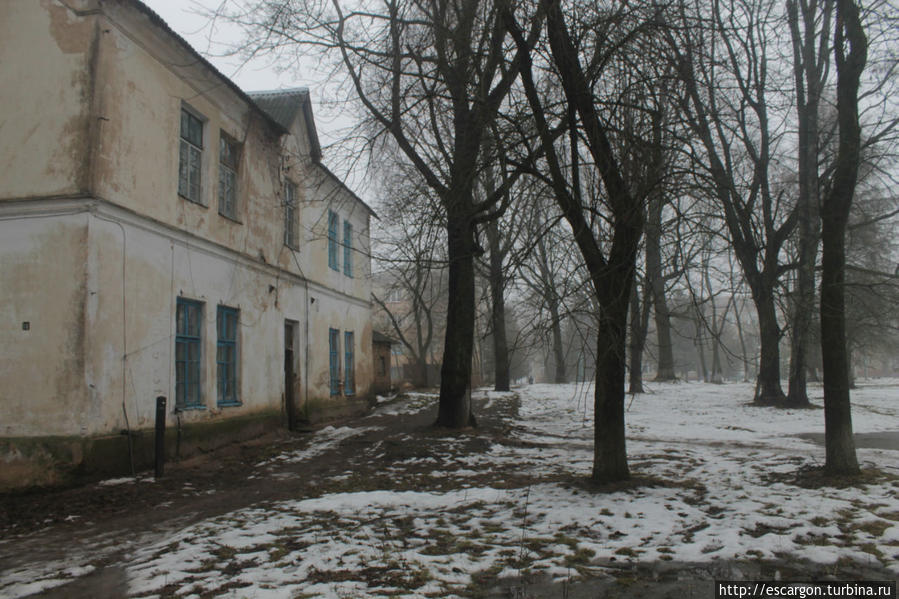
160 22
283 106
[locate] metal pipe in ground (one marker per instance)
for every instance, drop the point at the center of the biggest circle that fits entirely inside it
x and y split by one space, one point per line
160 436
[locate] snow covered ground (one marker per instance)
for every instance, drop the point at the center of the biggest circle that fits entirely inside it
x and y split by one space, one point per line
715 481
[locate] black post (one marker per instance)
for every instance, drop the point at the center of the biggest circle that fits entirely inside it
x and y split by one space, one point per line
160 435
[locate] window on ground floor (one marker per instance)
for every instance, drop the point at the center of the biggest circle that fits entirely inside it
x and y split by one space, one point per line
226 356
334 360
188 345
349 365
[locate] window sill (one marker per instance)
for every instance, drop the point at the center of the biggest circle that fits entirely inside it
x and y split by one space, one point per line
197 202
233 219
189 408
229 404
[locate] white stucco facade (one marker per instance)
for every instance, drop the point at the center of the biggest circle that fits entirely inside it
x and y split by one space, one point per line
98 244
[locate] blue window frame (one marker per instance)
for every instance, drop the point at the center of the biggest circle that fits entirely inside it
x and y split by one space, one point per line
347 248
333 222
188 345
349 366
334 360
227 320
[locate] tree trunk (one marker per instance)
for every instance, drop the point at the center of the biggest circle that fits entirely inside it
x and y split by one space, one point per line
700 347
455 373
552 302
768 391
637 342
745 356
560 376
807 69
656 281
716 375
609 444
838 441
498 314
421 371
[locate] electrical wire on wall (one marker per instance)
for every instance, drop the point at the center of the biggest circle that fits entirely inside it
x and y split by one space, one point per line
97 215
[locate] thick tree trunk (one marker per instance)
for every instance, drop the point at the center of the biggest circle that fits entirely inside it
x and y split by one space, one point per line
420 375
838 441
609 444
498 314
768 391
455 374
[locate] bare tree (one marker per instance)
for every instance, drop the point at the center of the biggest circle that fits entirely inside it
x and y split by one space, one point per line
850 56
608 243
431 75
810 23
725 65
410 268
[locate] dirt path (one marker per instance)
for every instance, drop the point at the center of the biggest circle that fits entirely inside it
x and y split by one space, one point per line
86 537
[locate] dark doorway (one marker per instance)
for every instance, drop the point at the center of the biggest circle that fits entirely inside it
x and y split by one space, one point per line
290 373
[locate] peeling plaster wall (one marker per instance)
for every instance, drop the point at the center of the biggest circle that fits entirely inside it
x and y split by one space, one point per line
42 283
97 272
46 61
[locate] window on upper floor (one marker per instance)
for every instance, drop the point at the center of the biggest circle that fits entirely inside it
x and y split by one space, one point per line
291 216
190 157
333 223
347 248
229 158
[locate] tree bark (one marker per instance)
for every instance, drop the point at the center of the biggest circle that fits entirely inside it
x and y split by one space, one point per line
638 321
501 378
768 391
839 444
609 442
454 409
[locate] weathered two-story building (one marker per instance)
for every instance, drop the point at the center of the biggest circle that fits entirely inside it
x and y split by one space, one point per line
162 233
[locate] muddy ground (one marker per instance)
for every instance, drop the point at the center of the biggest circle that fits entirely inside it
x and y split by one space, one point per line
42 526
